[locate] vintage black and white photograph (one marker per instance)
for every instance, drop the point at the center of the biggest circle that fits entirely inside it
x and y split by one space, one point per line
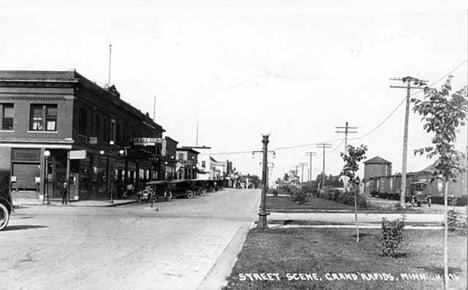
208 145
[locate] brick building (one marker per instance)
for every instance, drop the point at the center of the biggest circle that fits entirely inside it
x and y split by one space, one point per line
94 139
377 166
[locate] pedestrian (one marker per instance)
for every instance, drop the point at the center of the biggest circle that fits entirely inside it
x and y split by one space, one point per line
129 191
63 192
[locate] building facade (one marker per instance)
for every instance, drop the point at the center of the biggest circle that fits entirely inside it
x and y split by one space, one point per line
169 154
186 163
377 166
58 126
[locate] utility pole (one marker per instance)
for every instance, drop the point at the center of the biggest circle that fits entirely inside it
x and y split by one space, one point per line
347 130
310 166
302 167
110 59
408 87
323 146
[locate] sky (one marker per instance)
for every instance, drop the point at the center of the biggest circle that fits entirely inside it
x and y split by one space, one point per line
239 68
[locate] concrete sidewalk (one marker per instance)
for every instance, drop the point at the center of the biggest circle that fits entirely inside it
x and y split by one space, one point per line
22 202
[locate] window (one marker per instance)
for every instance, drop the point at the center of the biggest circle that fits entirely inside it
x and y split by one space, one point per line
7 116
43 117
181 156
97 127
82 122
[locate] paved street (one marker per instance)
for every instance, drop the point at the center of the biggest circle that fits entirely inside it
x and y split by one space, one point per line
173 245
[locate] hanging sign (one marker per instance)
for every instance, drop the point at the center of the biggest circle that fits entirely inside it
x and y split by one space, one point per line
78 154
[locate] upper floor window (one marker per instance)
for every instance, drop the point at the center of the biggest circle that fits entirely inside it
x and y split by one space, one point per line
7 116
43 117
83 122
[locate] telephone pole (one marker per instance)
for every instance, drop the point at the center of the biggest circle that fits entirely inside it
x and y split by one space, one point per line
347 130
310 166
408 87
302 168
323 146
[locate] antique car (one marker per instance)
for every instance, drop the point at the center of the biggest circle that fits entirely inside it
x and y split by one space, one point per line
418 194
157 189
199 187
6 204
182 188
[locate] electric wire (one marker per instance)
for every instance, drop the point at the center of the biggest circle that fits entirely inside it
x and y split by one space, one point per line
351 139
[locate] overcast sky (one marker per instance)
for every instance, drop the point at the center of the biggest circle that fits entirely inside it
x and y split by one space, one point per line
240 67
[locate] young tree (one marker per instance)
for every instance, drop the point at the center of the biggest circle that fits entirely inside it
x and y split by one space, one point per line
352 157
443 114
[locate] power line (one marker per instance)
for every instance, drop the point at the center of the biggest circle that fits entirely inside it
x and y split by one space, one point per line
351 139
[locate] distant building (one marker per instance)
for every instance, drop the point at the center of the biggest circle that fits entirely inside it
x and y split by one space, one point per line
85 133
187 159
169 153
377 166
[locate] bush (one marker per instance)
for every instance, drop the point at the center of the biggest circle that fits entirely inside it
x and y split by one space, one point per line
275 192
300 197
348 199
456 222
392 236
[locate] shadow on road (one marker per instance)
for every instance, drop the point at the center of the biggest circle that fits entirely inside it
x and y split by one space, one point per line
22 227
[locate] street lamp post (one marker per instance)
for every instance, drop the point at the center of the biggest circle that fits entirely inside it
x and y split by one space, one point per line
46 173
108 182
262 215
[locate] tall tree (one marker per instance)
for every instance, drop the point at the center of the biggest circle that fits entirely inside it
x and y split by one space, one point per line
442 114
352 157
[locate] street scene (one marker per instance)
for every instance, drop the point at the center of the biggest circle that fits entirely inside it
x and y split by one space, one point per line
235 145
173 245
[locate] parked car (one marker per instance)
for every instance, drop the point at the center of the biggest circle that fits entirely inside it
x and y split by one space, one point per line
182 188
199 187
6 203
419 194
157 189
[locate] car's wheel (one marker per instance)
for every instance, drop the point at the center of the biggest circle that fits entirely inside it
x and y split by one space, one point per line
202 191
419 203
168 195
4 216
189 194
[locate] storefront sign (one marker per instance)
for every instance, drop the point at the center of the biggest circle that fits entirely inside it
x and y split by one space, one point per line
146 141
78 154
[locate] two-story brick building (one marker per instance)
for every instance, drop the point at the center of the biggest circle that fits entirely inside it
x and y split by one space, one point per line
187 159
84 132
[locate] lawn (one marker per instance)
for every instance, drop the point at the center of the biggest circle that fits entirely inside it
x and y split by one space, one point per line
313 203
285 204
308 258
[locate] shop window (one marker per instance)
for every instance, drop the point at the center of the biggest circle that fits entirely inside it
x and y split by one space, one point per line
43 117
7 116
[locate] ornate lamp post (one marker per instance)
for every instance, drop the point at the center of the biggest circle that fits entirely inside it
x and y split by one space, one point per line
107 153
46 179
262 215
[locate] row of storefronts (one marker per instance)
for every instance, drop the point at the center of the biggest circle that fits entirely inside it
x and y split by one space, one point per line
58 126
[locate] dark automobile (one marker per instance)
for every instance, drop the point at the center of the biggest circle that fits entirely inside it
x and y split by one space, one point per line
6 204
199 187
419 194
155 190
182 188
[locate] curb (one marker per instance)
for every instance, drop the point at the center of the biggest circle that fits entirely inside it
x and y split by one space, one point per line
217 277
72 204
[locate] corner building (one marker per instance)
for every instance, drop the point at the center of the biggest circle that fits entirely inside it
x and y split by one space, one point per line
57 126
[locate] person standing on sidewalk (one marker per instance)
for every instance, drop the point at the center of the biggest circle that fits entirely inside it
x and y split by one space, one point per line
63 192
